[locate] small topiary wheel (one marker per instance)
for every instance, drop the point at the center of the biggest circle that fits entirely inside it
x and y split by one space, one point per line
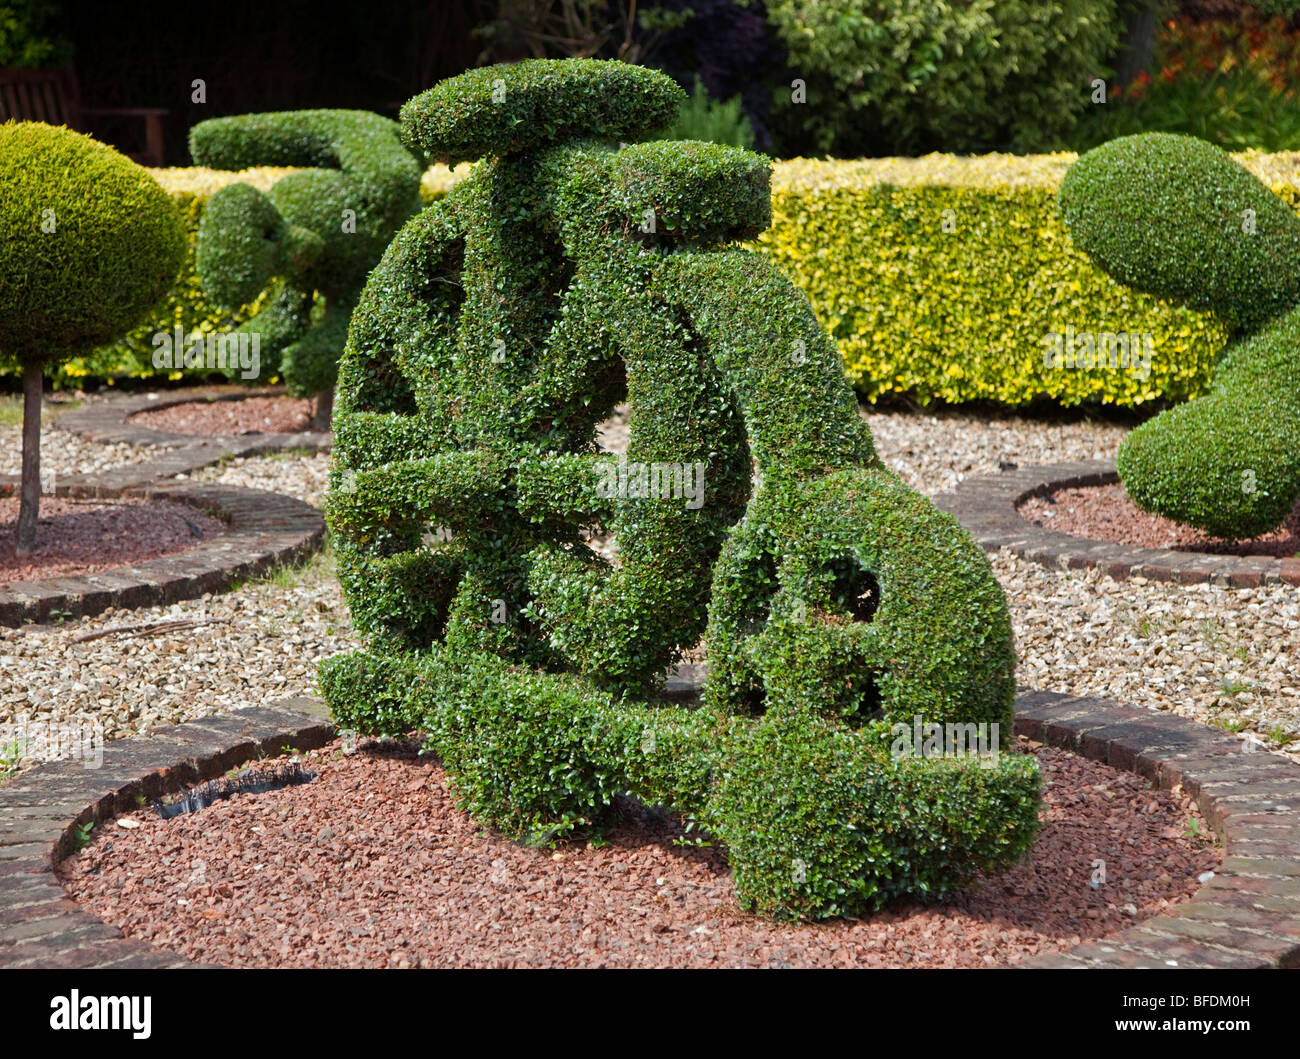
91 242
501 327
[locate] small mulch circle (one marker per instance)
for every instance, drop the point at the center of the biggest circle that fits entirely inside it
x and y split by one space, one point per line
371 865
83 536
248 415
1105 513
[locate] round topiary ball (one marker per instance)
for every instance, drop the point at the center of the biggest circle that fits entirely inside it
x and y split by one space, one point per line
91 242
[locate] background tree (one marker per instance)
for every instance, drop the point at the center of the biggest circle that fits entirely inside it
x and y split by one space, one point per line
91 244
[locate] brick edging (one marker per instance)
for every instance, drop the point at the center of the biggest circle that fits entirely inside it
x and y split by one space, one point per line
987 507
109 421
263 530
1248 915
40 925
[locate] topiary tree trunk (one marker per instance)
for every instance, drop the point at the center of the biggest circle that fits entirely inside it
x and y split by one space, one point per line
29 505
322 415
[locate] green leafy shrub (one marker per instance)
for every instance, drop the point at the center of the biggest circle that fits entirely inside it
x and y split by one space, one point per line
902 77
91 243
820 820
316 233
1178 217
1170 214
711 120
515 107
969 272
503 324
27 38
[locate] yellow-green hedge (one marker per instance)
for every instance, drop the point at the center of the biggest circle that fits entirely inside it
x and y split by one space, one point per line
963 315
916 310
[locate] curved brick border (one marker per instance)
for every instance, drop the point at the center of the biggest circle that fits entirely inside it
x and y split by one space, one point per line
109 421
986 507
1248 915
264 530
40 926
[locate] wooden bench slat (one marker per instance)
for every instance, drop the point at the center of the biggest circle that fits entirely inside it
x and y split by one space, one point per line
54 97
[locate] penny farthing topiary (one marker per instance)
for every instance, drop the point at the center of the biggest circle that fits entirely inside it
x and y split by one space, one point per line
570 272
91 243
1177 217
317 232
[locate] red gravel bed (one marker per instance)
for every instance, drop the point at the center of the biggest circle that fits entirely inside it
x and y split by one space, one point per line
82 536
371 865
1105 513
248 415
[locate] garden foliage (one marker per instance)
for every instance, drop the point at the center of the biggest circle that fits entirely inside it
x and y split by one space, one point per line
932 314
316 232
567 274
91 242
886 77
1179 218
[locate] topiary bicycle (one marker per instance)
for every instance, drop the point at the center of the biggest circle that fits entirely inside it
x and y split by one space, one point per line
318 232
1177 217
566 275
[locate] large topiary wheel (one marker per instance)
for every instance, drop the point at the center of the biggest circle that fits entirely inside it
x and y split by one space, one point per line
501 327
1177 217
91 243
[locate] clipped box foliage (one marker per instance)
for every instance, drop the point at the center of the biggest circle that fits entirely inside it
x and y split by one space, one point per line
315 233
90 241
1178 216
566 274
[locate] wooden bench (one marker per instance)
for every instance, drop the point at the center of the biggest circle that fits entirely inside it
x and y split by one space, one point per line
53 96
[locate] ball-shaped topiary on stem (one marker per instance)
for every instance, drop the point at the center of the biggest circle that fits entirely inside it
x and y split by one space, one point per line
91 243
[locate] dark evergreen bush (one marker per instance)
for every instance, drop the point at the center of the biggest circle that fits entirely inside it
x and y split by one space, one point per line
567 274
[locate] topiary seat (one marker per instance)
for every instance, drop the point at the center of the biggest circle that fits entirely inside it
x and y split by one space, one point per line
564 276
319 231
1177 217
